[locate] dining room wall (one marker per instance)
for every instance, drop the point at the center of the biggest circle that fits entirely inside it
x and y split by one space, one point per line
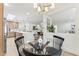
71 41
28 37
64 27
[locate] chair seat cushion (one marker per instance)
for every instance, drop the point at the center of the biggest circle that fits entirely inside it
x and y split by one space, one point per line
52 51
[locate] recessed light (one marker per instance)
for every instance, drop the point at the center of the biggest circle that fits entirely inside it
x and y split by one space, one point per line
27 13
6 4
74 9
71 17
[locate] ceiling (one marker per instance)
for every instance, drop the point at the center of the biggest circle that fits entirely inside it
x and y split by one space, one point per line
23 11
63 12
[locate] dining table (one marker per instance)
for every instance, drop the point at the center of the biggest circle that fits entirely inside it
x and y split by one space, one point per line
33 50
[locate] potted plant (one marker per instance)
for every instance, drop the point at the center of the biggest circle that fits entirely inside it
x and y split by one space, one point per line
51 28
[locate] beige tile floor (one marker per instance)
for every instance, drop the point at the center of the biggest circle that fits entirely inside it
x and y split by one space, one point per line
12 51
64 53
11 48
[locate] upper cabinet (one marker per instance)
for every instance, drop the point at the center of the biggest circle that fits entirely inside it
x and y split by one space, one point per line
12 25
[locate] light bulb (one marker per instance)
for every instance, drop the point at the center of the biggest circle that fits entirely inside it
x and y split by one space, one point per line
27 13
46 8
39 9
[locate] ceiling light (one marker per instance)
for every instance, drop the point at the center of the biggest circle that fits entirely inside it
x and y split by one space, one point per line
43 7
38 9
27 13
46 9
74 9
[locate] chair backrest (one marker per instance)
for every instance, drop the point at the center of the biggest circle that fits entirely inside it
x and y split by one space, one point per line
19 41
57 42
31 44
46 44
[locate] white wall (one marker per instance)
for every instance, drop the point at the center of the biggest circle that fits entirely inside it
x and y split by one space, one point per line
71 41
64 27
77 30
28 36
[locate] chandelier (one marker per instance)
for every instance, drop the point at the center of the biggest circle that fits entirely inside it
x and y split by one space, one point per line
43 7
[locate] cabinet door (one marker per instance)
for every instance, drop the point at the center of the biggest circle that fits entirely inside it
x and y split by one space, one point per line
1 30
12 25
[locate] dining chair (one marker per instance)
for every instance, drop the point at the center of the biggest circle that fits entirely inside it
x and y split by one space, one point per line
19 41
57 44
46 44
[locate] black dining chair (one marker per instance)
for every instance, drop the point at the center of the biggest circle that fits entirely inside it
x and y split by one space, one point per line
46 44
57 44
19 41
